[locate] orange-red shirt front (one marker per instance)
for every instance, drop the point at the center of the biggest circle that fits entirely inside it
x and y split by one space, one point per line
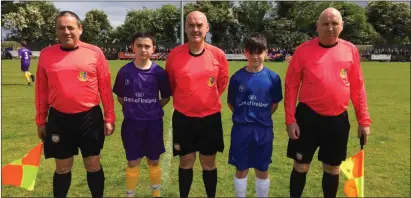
329 77
71 81
197 82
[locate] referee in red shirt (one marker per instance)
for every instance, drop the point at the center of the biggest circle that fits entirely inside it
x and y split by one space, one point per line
324 73
70 77
198 74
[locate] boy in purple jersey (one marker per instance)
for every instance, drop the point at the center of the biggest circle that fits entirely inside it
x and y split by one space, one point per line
137 87
25 57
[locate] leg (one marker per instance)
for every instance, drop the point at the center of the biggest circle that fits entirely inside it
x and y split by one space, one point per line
185 173
62 177
240 183
333 150
154 170
91 142
330 180
210 141
302 150
262 183
95 175
132 173
156 148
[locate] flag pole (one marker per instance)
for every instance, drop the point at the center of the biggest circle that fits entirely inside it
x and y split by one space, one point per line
181 22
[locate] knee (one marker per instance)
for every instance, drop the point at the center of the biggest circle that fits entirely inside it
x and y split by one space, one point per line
333 170
63 170
92 164
187 162
241 174
134 163
301 168
153 162
208 165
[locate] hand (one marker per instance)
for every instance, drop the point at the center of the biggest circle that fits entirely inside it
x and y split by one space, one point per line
364 131
109 128
293 131
41 132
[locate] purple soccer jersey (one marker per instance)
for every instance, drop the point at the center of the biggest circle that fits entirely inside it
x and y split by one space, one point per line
25 53
140 91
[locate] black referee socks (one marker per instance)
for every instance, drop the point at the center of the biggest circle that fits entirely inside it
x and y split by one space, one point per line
185 178
330 185
210 181
95 182
297 183
61 184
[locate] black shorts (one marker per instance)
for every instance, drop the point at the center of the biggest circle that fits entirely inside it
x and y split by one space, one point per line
330 133
191 134
66 133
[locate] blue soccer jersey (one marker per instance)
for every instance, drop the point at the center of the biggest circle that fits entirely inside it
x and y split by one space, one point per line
140 91
252 95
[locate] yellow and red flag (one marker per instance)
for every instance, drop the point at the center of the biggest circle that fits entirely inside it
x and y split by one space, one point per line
353 169
23 172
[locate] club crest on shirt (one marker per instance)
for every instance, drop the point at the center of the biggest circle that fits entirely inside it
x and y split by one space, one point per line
127 82
83 76
343 73
241 88
55 138
211 81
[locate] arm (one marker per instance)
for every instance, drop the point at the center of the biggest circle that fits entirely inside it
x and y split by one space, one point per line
357 92
104 87
165 90
120 100
222 80
276 92
292 85
232 91
41 94
118 87
164 101
274 108
170 74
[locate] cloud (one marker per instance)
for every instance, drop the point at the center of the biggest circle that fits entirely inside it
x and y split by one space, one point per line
116 11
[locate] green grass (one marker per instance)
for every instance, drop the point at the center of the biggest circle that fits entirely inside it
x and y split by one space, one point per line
387 156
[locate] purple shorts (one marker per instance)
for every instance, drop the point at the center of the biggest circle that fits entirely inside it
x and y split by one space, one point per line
142 138
24 67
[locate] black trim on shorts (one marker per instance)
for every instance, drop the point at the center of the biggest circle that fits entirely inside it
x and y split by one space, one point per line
192 134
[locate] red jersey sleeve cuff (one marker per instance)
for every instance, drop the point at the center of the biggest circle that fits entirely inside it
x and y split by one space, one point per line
290 120
365 123
41 123
109 120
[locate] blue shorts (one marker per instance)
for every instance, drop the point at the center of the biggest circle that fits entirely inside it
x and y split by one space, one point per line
142 138
251 147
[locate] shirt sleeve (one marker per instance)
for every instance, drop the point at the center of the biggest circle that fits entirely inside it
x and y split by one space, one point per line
357 91
118 87
232 88
164 85
41 93
292 85
276 90
30 52
170 74
104 87
222 80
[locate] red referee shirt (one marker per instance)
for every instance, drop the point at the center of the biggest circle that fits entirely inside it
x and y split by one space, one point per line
329 77
71 81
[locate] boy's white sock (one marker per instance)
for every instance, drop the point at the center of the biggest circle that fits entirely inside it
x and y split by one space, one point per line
262 186
240 186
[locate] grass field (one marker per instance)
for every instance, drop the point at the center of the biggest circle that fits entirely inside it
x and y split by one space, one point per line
387 156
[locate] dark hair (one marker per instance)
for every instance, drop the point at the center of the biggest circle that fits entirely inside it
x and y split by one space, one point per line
255 43
143 35
69 13
23 43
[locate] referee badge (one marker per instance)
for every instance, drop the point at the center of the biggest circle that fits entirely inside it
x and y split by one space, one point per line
211 81
55 138
83 76
343 73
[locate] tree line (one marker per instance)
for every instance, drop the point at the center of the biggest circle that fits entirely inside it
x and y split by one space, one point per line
284 24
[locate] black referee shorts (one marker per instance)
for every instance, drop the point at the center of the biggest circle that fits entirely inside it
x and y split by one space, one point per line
191 134
330 133
66 133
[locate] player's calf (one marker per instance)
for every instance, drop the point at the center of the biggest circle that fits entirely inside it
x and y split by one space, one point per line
154 170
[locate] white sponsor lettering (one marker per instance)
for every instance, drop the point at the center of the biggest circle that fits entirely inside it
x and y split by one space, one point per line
252 103
140 100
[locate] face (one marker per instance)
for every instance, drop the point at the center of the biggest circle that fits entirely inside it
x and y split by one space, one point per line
143 48
68 31
255 60
329 26
196 28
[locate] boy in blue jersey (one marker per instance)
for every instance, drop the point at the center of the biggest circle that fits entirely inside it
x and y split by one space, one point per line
25 58
137 86
254 92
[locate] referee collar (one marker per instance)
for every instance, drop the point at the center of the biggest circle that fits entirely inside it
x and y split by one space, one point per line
70 49
327 46
196 55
